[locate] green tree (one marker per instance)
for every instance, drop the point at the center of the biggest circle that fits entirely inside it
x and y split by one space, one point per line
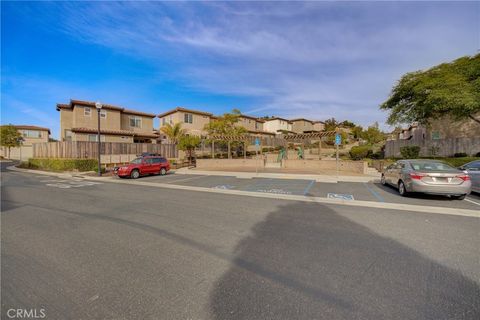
331 124
188 143
357 132
373 134
9 137
449 89
226 125
173 133
347 124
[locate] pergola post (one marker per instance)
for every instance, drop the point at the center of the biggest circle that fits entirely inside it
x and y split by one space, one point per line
244 149
229 150
213 149
320 148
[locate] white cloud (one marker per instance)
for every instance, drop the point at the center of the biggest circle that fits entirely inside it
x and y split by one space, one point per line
299 59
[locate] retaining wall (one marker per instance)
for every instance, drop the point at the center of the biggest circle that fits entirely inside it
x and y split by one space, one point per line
330 165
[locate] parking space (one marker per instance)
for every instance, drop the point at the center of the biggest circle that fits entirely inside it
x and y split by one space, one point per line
342 190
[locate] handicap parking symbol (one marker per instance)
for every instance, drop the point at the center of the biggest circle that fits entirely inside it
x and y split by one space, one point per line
340 196
224 187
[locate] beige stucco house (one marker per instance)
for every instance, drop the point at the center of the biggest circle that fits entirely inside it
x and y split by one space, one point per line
33 134
193 121
79 122
302 125
277 125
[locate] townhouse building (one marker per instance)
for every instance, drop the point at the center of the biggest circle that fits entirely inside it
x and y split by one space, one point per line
194 121
33 134
277 125
302 125
79 122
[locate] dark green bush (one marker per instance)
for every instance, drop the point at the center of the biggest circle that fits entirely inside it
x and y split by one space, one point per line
360 152
377 155
63 164
410 152
478 154
460 155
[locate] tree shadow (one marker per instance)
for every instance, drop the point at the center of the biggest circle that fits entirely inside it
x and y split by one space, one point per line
306 262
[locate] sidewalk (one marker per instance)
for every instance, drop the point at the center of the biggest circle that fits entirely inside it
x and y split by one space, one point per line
238 174
281 174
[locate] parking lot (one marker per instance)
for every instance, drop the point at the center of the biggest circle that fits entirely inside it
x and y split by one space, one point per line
371 191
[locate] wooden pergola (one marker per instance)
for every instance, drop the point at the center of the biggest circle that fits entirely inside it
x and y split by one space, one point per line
245 138
281 139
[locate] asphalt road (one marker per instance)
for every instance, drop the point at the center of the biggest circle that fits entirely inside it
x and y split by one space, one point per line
92 250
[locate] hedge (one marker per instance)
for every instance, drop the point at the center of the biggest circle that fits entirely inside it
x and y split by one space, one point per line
410 152
63 164
360 152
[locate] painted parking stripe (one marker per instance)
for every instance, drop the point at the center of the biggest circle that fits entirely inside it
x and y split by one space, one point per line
186 179
375 193
307 189
471 201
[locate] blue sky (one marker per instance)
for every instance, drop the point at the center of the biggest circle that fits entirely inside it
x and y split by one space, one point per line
292 59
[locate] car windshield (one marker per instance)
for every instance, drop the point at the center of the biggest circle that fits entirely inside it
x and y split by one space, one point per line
136 161
431 165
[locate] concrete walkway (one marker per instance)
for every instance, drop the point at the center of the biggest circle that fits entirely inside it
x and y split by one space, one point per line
282 175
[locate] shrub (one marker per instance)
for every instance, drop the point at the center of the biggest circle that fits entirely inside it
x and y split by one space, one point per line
410 152
360 152
460 155
63 164
478 154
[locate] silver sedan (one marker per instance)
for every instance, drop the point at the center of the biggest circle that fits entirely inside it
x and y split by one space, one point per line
427 176
473 170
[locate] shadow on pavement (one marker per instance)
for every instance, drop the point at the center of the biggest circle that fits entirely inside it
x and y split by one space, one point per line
306 262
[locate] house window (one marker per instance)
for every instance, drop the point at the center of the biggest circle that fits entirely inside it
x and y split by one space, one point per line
31 134
87 112
188 118
68 135
94 138
435 135
164 121
171 120
136 122
103 114
256 125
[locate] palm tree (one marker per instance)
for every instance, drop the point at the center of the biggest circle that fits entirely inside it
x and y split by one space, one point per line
174 133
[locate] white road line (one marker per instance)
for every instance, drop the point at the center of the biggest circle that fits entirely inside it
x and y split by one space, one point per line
471 201
186 179
353 203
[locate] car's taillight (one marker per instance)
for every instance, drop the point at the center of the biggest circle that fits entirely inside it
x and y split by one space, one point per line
416 175
464 177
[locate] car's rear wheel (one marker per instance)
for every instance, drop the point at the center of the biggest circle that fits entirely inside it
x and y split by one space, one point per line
401 189
163 171
135 174
382 180
461 197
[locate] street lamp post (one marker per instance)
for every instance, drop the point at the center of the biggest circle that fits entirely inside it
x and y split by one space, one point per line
98 105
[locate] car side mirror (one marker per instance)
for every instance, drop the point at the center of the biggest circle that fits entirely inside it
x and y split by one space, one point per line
461 168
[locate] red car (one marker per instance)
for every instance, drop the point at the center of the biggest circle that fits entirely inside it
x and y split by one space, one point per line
143 166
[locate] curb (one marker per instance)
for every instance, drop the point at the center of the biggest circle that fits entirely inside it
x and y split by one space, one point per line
250 175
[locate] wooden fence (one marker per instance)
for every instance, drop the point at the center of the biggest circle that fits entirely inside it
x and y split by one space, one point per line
441 147
86 149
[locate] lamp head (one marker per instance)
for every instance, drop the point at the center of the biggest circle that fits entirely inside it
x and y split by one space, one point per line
98 105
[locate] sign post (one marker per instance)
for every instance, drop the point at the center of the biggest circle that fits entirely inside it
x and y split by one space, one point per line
338 141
